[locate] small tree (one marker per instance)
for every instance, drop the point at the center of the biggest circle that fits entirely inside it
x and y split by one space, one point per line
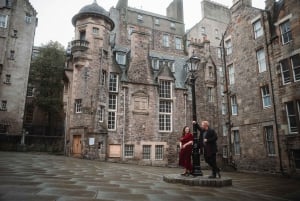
46 75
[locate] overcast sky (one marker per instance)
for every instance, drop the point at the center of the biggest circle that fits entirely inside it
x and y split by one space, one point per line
55 15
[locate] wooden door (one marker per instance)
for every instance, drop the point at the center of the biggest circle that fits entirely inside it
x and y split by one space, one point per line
77 145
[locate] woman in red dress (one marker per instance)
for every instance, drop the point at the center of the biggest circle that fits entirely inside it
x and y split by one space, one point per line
186 151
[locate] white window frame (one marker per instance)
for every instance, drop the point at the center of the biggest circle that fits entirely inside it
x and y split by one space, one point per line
266 97
112 112
101 111
130 30
28 18
234 106
203 31
236 142
231 74
78 106
113 83
285 31
228 45
103 78
129 151
155 63
285 72
140 17
3 21
258 29
178 43
146 154
296 68
172 25
291 117
156 21
261 60
225 130
166 40
210 94
159 152
165 89
165 116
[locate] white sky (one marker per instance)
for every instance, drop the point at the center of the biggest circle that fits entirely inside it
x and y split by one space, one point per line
55 15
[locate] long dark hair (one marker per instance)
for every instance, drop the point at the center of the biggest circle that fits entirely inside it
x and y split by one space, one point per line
183 130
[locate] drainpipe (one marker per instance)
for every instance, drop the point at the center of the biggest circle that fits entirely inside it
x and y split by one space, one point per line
124 122
228 99
273 97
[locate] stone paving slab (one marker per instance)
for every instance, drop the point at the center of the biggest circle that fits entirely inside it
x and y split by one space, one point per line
43 177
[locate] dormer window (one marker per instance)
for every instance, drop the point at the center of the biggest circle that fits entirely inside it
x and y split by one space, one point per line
140 17
172 25
121 58
28 18
3 21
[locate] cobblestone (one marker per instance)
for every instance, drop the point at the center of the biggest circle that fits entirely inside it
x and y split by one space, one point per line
36 177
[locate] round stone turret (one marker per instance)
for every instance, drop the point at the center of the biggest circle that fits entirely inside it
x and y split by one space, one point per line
93 10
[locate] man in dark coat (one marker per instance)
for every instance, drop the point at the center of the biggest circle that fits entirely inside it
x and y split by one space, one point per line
208 143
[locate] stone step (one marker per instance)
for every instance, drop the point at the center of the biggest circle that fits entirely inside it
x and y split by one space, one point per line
197 181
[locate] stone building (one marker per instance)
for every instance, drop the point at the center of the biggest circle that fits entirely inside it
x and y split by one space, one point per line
127 97
283 45
212 105
262 69
17 29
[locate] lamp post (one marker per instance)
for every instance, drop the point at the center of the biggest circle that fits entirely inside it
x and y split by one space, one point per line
192 65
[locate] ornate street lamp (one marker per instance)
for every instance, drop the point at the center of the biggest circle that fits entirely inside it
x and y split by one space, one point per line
192 65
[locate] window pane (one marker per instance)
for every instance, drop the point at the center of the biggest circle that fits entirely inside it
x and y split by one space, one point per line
236 142
146 151
111 120
292 119
270 140
258 31
285 72
296 67
165 89
159 152
113 83
286 34
261 60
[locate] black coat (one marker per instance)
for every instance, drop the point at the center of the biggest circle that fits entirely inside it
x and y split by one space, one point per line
210 146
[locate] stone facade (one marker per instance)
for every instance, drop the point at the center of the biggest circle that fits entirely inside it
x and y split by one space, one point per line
137 111
259 127
17 28
134 94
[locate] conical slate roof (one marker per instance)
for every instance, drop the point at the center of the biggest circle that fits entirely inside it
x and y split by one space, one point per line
92 10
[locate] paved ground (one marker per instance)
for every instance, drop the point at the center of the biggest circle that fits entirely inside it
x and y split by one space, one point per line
41 177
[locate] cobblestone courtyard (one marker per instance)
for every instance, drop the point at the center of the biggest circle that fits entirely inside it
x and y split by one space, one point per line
42 177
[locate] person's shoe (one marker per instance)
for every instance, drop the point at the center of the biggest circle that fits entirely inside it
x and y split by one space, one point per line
218 173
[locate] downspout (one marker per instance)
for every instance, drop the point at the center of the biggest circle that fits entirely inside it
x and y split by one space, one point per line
273 97
228 99
124 122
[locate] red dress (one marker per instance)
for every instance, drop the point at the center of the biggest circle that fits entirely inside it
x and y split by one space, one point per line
186 153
